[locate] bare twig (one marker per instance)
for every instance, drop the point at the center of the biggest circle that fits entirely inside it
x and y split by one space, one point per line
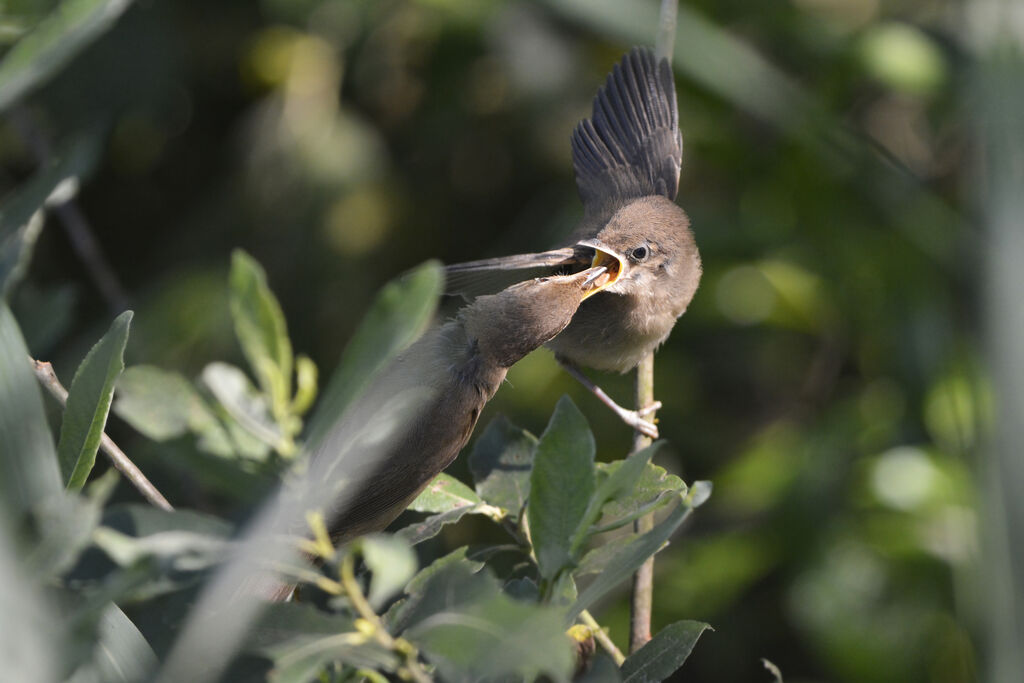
643 580
80 233
602 638
48 378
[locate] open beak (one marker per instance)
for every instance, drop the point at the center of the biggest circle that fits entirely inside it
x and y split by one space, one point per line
605 268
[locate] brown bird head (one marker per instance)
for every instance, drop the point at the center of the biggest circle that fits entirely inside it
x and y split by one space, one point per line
519 319
649 241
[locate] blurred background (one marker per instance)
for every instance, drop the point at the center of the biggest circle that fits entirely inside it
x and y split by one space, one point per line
826 377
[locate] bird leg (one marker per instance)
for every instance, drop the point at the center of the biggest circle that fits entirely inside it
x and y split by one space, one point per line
634 418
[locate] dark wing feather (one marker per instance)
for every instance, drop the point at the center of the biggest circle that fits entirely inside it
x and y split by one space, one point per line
631 146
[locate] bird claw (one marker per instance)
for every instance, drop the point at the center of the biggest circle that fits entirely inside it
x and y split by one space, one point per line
653 408
634 418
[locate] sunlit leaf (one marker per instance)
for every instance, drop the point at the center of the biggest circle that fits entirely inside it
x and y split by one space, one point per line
417 532
35 58
392 563
444 494
654 488
561 486
630 557
88 405
244 404
396 318
501 462
616 480
664 654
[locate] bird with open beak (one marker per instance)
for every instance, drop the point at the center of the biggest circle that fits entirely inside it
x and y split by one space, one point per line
627 159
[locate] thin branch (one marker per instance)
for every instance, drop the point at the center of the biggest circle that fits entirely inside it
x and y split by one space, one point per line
80 233
643 579
602 637
48 378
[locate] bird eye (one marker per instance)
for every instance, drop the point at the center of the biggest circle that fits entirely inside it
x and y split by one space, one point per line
638 254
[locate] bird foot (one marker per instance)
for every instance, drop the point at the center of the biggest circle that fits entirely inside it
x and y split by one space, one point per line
635 419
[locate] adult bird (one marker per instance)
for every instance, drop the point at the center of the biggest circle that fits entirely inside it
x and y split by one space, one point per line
420 411
627 158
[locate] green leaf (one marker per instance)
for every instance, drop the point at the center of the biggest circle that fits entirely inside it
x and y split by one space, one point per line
501 462
470 630
160 404
85 414
458 556
444 494
305 385
301 640
71 26
664 654
561 486
28 468
121 653
417 532
398 315
261 330
21 214
392 563
32 631
630 557
66 526
615 479
137 519
655 488
246 407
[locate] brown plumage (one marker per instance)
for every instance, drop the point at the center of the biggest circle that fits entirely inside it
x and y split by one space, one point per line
627 158
420 411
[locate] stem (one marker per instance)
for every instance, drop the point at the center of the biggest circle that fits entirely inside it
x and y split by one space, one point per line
377 630
602 638
48 378
643 580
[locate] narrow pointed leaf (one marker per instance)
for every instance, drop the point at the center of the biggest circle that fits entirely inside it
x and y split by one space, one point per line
261 329
561 486
664 654
89 397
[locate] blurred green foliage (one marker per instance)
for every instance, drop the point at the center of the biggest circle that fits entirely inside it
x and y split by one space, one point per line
826 377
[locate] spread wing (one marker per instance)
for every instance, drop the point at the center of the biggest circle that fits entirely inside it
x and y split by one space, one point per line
631 146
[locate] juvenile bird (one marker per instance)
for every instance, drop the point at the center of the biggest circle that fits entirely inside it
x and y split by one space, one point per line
627 158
